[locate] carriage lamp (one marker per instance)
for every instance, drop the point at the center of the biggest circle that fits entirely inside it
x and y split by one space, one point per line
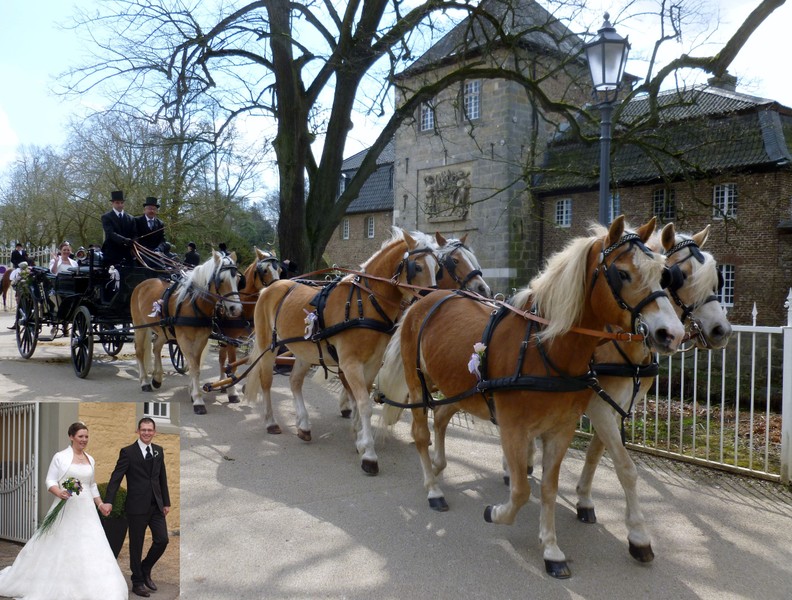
607 57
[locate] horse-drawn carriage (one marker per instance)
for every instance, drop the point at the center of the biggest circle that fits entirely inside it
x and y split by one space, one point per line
88 303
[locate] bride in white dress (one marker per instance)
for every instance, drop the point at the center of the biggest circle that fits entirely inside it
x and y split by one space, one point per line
71 561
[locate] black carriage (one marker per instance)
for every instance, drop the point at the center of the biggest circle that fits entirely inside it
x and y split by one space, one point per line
90 302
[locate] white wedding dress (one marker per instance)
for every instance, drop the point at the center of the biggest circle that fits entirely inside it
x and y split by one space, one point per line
73 560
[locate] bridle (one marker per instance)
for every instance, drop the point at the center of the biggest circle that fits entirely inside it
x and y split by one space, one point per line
673 280
409 265
226 265
611 273
447 263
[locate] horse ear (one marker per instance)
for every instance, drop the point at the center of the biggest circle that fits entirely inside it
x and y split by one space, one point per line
216 256
616 230
701 237
233 256
646 231
463 239
441 241
259 253
411 243
668 236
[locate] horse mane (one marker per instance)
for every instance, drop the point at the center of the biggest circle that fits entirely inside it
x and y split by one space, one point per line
397 236
197 280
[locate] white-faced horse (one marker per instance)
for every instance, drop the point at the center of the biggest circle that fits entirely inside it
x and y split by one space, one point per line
184 309
345 324
526 364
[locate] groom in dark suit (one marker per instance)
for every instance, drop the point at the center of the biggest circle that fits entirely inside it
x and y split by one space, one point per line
147 503
119 230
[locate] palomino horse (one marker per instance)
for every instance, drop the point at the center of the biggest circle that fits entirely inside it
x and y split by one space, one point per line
183 309
529 363
627 371
348 323
258 275
459 270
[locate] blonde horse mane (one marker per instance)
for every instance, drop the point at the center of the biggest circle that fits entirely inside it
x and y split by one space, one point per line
397 235
197 280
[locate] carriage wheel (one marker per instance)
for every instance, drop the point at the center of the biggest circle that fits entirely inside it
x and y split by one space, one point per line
112 342
81 342
27 326
177 357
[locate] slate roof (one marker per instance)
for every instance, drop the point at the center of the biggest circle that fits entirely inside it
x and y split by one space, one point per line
702 130
525 19
376 195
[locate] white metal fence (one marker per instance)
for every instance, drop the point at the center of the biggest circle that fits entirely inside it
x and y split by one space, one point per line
18 470
41 256
729 408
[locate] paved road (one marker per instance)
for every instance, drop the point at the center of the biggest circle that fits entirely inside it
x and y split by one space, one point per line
271 517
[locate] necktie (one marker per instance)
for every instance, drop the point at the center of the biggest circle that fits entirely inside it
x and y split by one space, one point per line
148 453
151 224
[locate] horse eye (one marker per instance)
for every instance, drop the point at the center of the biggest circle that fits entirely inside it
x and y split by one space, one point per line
624 275
456 261
419 268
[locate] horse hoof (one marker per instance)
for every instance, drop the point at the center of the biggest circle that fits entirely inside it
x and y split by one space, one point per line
488 514
156 384
274 429
199 409
305 436
586 515
370 467
558 569
438 504
346 413
642 554
145 388
233 399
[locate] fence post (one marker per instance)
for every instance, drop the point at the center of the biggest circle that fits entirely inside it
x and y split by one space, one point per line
786 398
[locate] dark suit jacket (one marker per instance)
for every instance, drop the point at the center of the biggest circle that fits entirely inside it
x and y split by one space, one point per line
150 238
117 246
18 256
142 487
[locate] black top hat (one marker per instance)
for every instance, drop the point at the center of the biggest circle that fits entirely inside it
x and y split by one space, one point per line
151 201
191 245
117 195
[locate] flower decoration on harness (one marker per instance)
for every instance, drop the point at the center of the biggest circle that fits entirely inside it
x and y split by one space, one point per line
475 359
310 323
156 308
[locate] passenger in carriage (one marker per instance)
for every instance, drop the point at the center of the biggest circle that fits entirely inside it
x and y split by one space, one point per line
62 260
119 229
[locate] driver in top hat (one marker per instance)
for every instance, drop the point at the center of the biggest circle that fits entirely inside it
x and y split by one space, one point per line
150 228
119 231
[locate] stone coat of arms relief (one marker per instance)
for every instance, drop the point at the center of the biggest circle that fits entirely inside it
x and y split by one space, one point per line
447 194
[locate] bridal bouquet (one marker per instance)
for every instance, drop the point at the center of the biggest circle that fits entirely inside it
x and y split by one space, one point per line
71 485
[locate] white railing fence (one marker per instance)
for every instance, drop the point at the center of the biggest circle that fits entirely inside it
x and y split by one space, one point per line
18 470
41 256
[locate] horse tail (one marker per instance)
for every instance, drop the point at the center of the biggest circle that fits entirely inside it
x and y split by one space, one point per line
391 381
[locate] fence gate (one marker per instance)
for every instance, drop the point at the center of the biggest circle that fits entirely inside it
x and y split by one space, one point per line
18 470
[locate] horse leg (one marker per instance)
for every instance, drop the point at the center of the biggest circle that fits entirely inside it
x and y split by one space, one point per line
554 447
358 384
194 360
142 355
531 458
514 443
420 433
158 372
228 355
296 379
607 435
442 417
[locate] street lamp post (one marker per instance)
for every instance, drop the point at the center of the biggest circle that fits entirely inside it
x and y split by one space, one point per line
607 57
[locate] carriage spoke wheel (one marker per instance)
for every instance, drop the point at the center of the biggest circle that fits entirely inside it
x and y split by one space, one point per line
81 342
177 357
27 326
112 339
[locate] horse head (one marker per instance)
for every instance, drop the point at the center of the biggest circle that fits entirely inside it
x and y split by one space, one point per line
692 280
266 269
459 267
224 280
417 265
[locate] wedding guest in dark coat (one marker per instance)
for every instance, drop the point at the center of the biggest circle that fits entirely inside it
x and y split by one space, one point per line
18 255
192 257
150 228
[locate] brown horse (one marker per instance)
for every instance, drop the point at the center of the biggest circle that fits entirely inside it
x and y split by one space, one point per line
258 275
161 310
529 363
347 324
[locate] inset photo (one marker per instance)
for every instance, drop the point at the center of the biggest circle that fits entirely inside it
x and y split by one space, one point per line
89 500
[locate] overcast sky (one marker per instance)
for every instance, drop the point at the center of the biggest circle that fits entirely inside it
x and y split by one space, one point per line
33 50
